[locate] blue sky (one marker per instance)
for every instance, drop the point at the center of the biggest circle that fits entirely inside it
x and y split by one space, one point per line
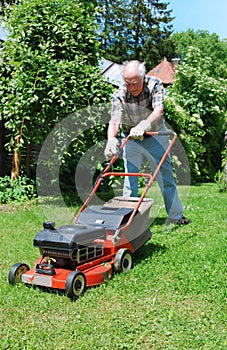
200 14
3 34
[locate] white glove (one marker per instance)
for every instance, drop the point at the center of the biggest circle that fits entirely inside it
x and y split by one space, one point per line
112 147
138 131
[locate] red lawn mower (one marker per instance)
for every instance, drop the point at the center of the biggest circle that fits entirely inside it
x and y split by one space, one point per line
100 242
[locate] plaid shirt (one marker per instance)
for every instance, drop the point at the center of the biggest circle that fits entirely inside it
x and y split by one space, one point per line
133 109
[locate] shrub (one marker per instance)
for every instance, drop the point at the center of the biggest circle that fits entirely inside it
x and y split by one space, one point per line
18 190
221 180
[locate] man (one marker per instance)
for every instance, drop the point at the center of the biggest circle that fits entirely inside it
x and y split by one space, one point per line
137 107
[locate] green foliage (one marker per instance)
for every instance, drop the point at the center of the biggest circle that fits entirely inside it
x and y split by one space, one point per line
190 132
49 66
76 150
135 30
221 180
221 176
203 98
19 190
211 49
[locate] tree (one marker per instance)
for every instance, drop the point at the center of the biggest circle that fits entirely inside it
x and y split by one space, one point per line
210 46
135 30
202 99
49 69
4 4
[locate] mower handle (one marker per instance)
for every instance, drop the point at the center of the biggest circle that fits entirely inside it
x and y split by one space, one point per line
151 177
148 133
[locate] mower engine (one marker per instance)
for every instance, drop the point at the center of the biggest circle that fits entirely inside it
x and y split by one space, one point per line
70 245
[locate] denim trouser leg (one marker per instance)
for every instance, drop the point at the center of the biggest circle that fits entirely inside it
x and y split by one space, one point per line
152 149
133 156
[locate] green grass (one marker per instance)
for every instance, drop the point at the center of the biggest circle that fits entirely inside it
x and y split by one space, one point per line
173 298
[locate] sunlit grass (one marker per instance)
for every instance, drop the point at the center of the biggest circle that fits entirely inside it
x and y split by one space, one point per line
173 298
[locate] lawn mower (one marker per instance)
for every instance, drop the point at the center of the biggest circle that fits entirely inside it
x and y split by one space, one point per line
101 241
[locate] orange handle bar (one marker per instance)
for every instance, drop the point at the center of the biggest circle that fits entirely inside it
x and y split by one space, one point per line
105 173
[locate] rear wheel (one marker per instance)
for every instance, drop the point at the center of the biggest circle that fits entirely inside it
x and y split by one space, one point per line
123 260
75 284
16 272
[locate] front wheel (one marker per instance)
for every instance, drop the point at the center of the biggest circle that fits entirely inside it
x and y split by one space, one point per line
16 272
75 284
123 260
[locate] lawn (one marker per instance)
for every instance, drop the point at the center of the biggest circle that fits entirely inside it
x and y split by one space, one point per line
173 298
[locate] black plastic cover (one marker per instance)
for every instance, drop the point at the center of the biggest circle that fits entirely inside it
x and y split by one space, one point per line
68 236
109 218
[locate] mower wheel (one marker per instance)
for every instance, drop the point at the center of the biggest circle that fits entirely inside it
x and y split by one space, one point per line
16 272
123 260
75 284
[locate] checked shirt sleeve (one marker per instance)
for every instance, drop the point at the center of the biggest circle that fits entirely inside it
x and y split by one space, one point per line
156 88
116 105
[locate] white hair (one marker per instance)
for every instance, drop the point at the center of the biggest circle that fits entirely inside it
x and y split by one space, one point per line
137 65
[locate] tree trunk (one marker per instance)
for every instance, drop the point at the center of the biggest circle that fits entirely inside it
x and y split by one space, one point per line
17 154
16 160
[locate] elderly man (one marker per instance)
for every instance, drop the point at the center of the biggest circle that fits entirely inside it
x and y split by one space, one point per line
137 107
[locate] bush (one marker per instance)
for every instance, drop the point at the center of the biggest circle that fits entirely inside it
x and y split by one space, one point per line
221 180
18 190
202 99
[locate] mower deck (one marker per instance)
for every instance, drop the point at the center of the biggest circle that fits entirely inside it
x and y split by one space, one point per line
87 253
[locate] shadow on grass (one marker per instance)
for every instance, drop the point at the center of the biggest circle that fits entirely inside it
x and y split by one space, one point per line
148 250
159 221
162 221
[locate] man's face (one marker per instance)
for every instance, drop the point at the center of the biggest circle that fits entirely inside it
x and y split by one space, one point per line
134 83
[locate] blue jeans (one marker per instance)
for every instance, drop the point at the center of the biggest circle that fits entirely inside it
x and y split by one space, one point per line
152 149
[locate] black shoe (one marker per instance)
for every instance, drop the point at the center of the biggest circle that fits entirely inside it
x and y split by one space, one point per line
183 221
